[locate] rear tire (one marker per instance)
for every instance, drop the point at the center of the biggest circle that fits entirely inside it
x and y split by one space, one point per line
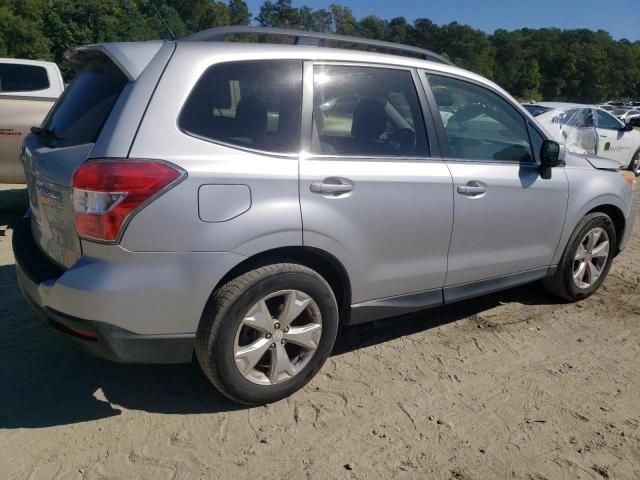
583 267
241 342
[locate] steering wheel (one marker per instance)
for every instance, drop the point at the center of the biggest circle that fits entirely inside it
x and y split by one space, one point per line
402 140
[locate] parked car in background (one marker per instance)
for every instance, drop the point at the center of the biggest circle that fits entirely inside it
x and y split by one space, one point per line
589 130
625 113
28 89
242 201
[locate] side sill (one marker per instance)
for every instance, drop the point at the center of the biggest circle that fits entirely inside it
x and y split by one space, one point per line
393 306
414 302
464 291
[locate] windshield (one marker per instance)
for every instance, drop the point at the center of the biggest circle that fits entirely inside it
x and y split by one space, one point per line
80 113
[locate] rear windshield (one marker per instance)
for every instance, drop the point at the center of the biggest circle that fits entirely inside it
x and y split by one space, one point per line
79 115
536 110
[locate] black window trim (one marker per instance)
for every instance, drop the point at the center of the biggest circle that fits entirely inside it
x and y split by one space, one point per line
234 146
442 136
433 150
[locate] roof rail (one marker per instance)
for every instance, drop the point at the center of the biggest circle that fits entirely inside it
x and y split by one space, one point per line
317 39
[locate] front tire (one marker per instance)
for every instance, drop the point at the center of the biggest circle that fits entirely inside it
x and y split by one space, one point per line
586 260
266 333
635 163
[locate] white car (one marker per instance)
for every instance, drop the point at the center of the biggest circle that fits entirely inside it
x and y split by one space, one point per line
589 130
624 113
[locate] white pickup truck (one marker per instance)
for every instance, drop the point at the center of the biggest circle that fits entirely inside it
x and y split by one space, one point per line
28 90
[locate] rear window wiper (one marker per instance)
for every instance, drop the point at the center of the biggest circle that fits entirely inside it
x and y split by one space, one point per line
44 132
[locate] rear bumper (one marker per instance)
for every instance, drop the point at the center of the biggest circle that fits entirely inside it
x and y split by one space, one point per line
132 308
113 343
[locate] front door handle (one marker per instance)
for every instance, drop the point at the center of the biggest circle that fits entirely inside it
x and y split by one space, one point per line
332 186
472 189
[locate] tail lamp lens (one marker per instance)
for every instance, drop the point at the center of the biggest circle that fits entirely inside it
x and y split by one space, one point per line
107 192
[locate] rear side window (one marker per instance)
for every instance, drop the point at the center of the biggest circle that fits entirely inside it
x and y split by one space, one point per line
365 111
252 104
22 78
578 118
79 115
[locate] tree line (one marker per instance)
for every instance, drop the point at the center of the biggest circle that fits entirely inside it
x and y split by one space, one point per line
575 65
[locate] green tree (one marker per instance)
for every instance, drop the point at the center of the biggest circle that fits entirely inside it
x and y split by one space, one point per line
239 13
344 22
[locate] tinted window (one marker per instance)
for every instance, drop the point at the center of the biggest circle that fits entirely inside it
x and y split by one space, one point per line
479 124
366 111
22 78
607 121
536 110
254 104
79 115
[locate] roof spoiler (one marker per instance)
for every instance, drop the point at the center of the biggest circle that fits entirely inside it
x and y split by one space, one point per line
130 57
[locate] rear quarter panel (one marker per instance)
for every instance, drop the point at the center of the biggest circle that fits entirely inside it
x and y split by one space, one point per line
172 222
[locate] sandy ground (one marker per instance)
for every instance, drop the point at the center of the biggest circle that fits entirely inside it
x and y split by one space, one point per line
513 385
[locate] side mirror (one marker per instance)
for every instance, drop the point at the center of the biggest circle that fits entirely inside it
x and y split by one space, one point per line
551 154
634 122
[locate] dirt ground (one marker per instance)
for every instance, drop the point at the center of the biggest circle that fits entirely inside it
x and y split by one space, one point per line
514 385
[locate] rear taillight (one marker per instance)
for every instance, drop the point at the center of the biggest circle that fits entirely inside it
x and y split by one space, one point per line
106 193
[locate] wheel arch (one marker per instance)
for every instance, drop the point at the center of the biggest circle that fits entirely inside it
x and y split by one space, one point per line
327 265
616 216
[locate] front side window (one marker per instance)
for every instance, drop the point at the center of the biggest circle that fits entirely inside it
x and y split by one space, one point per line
366 111
607 121
479 124
252 104
15 77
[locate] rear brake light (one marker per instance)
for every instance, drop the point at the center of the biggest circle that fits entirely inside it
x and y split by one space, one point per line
106 193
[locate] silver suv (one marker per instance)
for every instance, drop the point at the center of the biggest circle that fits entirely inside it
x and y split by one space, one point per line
244 200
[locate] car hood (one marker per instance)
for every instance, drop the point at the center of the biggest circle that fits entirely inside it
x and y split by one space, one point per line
582 161
603 163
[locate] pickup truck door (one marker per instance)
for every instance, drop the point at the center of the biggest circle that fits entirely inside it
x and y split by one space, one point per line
22 106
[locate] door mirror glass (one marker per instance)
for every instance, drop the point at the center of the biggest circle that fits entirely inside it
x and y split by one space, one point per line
551 154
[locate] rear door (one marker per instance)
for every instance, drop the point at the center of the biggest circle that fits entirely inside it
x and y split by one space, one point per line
64 142
371 191
508 219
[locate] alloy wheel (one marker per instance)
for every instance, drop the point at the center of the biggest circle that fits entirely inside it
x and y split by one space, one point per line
591 258
277 337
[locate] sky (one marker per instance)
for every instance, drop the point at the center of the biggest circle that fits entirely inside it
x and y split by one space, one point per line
621 18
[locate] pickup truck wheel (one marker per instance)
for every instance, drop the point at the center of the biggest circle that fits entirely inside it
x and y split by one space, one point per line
586 260
266 333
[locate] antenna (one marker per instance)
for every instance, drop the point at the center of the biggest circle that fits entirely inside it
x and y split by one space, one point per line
173 37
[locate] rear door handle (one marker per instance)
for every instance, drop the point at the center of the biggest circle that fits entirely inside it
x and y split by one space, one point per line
332 186
472 188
